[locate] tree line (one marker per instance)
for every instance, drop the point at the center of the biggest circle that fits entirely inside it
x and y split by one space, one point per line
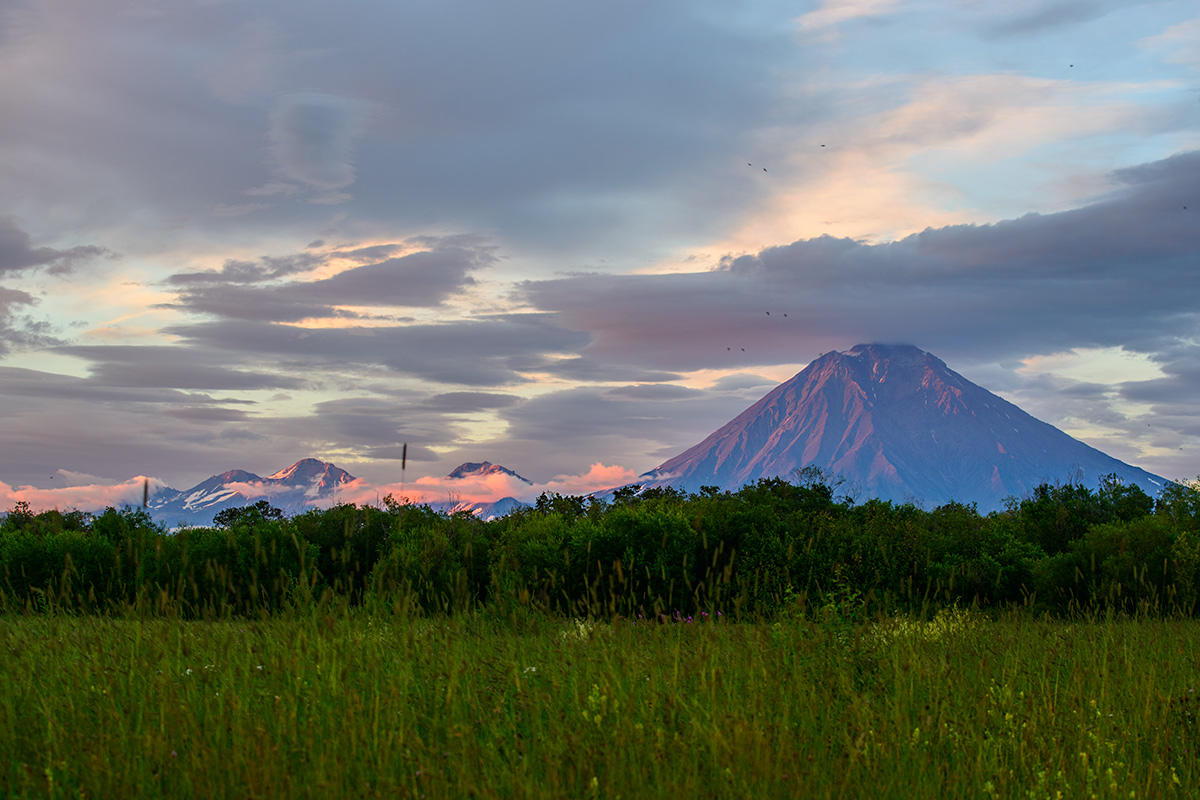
773 546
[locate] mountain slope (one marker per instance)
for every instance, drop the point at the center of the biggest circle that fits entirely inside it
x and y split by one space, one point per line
293 489
483 469
898 424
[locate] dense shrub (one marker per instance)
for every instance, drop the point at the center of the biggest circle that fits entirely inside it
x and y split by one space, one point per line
773 546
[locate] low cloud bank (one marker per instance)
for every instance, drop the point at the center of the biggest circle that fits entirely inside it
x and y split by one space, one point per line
486 488
87 497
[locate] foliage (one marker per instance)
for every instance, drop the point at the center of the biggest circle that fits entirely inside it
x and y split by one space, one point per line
375 702
772 548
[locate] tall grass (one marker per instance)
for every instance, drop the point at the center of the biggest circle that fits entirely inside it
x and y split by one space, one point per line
375 702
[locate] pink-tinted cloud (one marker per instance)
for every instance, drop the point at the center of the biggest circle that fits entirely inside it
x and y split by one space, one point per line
89 497
486 488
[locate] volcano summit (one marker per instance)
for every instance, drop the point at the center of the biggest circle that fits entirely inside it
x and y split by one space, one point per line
897 424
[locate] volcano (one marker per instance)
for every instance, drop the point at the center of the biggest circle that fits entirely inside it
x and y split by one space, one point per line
895 423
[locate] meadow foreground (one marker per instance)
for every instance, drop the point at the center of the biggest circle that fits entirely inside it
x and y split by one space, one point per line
376 704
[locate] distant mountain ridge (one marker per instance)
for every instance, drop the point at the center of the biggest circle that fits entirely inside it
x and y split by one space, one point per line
293 490
897 424
299 488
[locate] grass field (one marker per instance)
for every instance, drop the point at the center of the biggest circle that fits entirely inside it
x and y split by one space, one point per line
376 704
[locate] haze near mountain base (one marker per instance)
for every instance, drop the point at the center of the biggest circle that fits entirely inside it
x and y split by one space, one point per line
898 424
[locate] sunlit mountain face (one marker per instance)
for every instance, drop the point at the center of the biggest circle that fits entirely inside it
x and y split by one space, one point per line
895 423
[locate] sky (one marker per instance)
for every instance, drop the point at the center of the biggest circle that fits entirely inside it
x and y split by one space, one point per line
547 234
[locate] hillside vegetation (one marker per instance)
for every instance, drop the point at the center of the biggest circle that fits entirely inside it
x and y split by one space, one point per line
772 547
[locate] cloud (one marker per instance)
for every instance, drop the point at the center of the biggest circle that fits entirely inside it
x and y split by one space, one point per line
1119 272
29 383
419 279
833 12
87 497
1178 43
170 367
21 332
17 252
251 65
487 488
1030 18
312 138
485 352
96 495
233 271
609 138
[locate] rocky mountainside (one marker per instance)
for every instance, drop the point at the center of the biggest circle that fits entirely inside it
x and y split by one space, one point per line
897 424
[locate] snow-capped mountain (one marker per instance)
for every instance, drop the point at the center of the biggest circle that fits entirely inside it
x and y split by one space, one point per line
300 487
483 510
897 424
294 490
482 470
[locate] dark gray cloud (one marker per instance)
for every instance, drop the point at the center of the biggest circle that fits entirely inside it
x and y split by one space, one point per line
1173 395
421 279
1121 272
19 382
233 271
638 426
484 352
593 370
20 331
609 135
207 414
168 367
467 402
17 252
537 119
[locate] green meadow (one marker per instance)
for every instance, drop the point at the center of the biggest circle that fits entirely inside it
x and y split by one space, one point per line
771 642
375 702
